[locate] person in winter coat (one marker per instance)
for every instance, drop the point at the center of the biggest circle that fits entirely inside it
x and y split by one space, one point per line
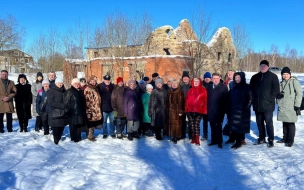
93 106
146 118
157 107
289 101
117 102
52 77
185 86
265 88
131 109
239 112
206 82
36 86
7 93
141 89
175 109
75 104
105 90
83 83
195 107
57 109
23 102
42 108
155 76
217 101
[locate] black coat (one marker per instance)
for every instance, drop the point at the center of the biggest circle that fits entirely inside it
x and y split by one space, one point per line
157 107
217 102
264 87
23 101
239 112
75 104
105 95
55 100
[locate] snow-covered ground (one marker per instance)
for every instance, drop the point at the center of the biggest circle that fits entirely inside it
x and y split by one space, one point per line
32 161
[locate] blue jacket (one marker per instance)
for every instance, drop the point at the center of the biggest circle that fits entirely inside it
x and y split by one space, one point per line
40 100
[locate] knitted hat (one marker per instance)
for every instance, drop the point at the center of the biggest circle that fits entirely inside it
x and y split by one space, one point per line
131 81
159 81
58 79
142 82
207 75
119 79
75 80
39 74
155 75
265 62
45 82
107 77
149 86
146 79
285 70
185 74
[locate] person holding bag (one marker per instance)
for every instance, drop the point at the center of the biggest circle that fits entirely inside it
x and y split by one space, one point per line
289 102
57 117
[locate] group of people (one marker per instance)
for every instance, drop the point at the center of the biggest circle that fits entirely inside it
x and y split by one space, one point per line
153 108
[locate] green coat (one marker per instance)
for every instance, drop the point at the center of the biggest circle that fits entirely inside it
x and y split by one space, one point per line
292 97
145 98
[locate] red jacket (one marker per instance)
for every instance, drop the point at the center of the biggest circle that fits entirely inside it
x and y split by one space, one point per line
196 99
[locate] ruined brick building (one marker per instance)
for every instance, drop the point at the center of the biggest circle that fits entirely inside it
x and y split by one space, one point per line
167 51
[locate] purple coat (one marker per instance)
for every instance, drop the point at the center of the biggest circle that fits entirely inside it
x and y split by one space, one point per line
131 103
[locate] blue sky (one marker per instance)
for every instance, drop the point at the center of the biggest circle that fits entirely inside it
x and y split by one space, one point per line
268 21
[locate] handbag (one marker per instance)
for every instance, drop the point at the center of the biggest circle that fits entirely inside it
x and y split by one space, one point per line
302 104
57 113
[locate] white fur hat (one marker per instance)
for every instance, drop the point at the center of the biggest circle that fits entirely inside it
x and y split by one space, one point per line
58 79
75 80
149 86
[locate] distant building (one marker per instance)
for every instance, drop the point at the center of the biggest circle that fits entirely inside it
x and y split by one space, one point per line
167 51
17 61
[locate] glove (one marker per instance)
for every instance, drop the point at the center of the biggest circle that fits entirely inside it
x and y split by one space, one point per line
115 113
296 108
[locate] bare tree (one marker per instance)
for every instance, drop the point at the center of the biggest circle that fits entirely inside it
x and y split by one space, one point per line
242 42
10 33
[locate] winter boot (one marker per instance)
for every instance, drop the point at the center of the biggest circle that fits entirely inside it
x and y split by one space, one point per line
119 136
130 136
136 135
197 140
25 129
21 129
193 141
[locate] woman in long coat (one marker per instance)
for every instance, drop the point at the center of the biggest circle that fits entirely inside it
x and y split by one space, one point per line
36 86
42 108
76 109
239 112
57 111
93 106
145 98
195 107
23 102
289 101
157 108
175 109
131 109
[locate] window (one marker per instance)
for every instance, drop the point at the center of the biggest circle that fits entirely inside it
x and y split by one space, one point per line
16 53
229 57
95 54
167 51
16 60
26 60
218 56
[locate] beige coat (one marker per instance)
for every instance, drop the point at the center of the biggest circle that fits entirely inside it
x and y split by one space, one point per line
7 107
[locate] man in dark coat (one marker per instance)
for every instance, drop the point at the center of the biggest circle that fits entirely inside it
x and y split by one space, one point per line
23 102
206 82
185 86
75 104
117 102
265 88
105 90
154 77
42 108
217 100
